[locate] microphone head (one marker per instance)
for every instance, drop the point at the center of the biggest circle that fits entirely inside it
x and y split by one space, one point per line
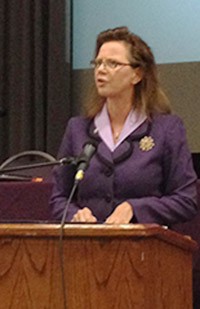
88 150
83 161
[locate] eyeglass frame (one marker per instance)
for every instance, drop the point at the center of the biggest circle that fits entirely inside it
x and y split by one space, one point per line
110 63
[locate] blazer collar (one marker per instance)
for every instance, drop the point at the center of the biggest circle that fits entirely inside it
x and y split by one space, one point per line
124 150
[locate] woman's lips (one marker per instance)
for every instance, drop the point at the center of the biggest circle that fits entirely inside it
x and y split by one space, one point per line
101 81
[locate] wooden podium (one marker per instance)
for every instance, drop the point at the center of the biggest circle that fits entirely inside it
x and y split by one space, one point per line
105 267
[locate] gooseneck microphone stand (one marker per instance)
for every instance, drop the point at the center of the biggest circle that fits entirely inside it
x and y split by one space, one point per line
63 161
82 163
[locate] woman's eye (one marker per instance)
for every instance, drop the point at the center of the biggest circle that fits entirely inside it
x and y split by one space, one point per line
112 63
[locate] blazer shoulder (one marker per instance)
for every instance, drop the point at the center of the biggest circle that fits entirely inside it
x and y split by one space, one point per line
167 121
78 121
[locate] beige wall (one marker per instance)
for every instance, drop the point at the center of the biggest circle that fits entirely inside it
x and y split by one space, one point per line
181 81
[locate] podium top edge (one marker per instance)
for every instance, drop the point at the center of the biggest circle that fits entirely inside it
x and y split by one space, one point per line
135 231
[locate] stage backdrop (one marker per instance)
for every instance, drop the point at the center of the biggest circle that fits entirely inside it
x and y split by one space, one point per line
34 74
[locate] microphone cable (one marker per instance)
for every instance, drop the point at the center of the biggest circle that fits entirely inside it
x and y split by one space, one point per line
61 251
83 163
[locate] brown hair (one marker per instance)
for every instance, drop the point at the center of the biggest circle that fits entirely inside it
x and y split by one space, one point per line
149 96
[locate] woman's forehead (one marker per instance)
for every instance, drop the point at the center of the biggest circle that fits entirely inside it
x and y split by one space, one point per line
114 48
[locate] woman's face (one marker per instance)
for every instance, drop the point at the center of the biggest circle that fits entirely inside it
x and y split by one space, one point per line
113 76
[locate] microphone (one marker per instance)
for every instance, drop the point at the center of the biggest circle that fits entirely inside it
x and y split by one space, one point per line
84 159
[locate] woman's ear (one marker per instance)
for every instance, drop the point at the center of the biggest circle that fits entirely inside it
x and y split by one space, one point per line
137 76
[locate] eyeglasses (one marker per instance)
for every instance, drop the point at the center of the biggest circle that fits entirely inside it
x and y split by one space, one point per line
109 63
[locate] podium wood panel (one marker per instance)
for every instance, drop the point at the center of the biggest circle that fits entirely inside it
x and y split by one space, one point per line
106 267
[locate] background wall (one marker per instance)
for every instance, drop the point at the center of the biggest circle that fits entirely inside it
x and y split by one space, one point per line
171 28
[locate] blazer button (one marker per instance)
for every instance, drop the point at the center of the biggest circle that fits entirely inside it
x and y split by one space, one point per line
108 171
108 198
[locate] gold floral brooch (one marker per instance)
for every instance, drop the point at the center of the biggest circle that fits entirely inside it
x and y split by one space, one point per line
146 143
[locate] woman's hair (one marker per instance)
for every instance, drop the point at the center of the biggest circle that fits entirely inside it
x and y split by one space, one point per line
148 95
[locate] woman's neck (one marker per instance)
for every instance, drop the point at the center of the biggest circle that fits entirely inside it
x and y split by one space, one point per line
118 112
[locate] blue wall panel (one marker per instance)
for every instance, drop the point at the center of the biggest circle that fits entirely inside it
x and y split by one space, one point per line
171 28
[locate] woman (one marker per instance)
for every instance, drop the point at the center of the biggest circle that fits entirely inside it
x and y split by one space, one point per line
142 169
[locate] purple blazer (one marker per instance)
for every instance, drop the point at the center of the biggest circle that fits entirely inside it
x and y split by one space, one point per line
151 169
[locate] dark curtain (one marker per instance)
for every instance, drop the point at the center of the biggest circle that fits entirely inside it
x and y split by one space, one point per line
35 74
